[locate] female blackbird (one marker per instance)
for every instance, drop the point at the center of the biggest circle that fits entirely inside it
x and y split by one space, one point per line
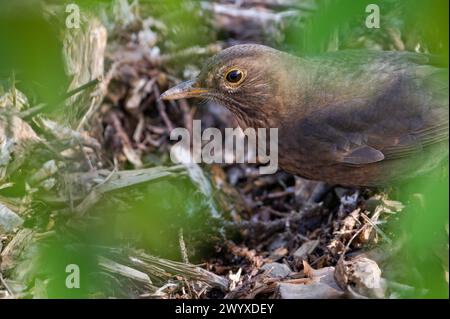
355 118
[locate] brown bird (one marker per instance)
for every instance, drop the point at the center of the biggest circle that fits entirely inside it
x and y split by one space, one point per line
355 118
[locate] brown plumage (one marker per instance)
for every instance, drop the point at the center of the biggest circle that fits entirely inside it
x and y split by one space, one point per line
360 118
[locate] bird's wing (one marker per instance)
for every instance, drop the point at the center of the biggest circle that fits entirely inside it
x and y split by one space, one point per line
398 123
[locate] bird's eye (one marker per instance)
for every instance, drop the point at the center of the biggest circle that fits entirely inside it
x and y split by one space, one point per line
234 76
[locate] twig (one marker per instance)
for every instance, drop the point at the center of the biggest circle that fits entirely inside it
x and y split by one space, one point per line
137 135
121 179
351 240
257 15
65 133
162 109
13 86
127 148
119 129
83 87
367 219
42 106
32 111
123 270
6 286
183 249
170 268
192 51
102 91
187 115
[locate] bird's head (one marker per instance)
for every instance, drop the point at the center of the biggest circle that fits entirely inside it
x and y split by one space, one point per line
244 78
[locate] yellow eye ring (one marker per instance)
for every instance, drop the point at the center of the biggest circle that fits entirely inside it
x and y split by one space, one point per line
234 76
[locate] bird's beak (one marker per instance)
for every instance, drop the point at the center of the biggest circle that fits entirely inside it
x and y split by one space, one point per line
183 90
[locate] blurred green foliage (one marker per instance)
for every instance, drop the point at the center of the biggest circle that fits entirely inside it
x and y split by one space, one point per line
420 22
150 217
31 49
147 217
423 235
186 21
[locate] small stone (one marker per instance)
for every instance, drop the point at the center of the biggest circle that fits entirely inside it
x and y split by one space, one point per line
306 249
364 273
316 290
277 270
8 219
